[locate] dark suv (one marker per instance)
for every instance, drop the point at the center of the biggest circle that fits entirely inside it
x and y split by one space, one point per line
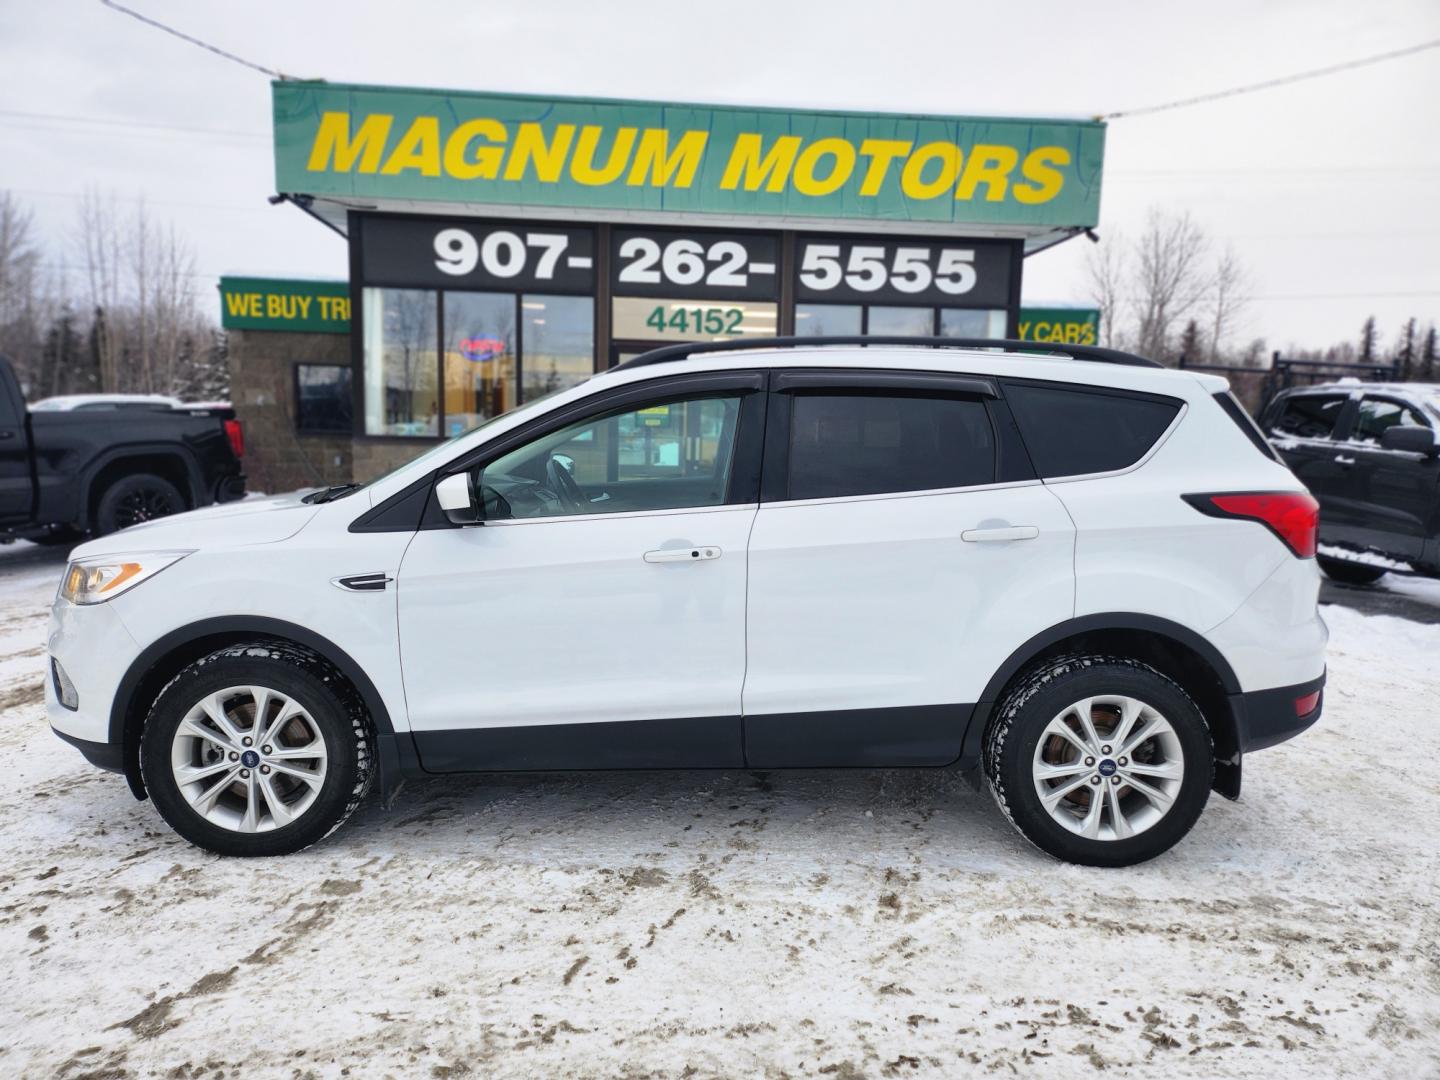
1369 452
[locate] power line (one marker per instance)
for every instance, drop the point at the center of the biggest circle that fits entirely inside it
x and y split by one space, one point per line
1268 84
194 40
70 118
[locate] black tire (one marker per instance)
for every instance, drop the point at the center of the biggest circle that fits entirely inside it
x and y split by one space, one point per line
1350 573
136 498
338 714
1041 694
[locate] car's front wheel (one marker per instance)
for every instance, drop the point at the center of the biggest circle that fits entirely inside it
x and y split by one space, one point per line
1099 760
257 749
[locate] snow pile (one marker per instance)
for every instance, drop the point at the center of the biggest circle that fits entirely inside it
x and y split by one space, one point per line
838 924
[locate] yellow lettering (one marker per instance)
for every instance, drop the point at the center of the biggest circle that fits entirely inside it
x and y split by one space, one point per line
1046 180
881 153
582 165
912 181
807 183
418 148
745 159
1025 331
991 166
653 156
333 142
530 146
238 303
304 305
484 162
272 305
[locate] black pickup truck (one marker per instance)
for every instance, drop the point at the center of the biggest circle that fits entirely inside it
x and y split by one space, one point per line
1370 453
65 475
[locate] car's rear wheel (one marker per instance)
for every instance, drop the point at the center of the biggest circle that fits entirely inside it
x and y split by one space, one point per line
133 499
1099 760
258 749
1350 573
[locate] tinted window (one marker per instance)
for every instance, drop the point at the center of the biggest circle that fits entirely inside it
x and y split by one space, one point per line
1071 432
1377 414
1309 416
865 444
664 456
323 400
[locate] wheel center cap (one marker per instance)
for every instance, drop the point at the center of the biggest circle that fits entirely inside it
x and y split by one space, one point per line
1107 767
250 759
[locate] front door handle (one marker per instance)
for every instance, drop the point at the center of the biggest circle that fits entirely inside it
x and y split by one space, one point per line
1009 532
683 554
1341 459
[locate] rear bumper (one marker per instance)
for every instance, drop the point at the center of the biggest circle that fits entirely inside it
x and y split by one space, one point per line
108 756
230 488
1266 717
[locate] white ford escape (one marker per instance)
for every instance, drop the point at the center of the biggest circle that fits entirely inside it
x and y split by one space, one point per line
1088 576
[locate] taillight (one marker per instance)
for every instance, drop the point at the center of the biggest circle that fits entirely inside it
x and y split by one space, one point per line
1293 516
236 434
1304 706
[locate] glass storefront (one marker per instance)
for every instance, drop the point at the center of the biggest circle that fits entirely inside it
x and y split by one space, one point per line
463 319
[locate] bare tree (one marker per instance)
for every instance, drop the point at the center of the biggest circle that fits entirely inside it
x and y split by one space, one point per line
1105 270
1229 286
98 244
19 269
1170 279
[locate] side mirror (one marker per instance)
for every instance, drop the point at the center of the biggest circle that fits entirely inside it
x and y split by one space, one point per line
457 499
1412 440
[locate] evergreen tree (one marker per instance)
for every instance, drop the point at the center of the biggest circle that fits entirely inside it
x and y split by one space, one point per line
1405 354
1429 361
1369 338
1191 348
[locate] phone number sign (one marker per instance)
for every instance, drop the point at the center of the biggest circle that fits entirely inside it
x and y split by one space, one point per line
467 253
867 270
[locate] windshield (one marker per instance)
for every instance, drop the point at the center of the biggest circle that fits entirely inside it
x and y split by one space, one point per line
440 450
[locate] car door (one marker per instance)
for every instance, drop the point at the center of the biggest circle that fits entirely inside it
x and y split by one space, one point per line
597 616
17 490
902 549
1393 492
1304 427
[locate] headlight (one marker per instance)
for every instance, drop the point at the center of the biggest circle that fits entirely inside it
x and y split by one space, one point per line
104 577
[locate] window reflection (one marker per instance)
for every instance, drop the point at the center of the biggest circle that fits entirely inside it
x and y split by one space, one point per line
479 358
558 341
972 323
827 320
901 321
400 362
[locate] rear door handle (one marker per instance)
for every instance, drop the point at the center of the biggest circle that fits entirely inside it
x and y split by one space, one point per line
1009 532
683 554
1341 459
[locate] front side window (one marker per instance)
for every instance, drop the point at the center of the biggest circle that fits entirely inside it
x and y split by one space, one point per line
1309 416
668 455
845 444
1377 414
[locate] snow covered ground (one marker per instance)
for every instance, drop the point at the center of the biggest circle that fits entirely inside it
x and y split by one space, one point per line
738 924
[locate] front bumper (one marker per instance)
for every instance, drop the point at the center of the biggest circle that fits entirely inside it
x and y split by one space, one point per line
107 756
1266 717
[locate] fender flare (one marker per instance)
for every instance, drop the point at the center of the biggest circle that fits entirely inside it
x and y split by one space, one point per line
194 475
1115 620
395 752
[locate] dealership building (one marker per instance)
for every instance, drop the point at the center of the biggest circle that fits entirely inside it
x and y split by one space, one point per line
501 247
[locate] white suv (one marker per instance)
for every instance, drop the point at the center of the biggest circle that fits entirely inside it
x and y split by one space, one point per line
1088 575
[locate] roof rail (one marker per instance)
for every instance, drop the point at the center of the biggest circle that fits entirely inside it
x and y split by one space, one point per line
1094 353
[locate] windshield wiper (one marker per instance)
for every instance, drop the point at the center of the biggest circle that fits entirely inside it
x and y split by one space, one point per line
330 494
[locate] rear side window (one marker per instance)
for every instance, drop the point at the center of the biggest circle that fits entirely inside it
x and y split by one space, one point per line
1072 432
868 444
1309 416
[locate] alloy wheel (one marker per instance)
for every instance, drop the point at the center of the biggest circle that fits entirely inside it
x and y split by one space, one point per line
1108 767
248 759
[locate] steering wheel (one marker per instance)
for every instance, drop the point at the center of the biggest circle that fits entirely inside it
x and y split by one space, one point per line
564 486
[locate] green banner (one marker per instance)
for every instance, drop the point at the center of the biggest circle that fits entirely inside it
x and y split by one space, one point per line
283 304
1060 326
587 155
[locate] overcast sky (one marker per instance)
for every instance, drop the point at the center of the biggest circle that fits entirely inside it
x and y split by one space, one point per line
1329 190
